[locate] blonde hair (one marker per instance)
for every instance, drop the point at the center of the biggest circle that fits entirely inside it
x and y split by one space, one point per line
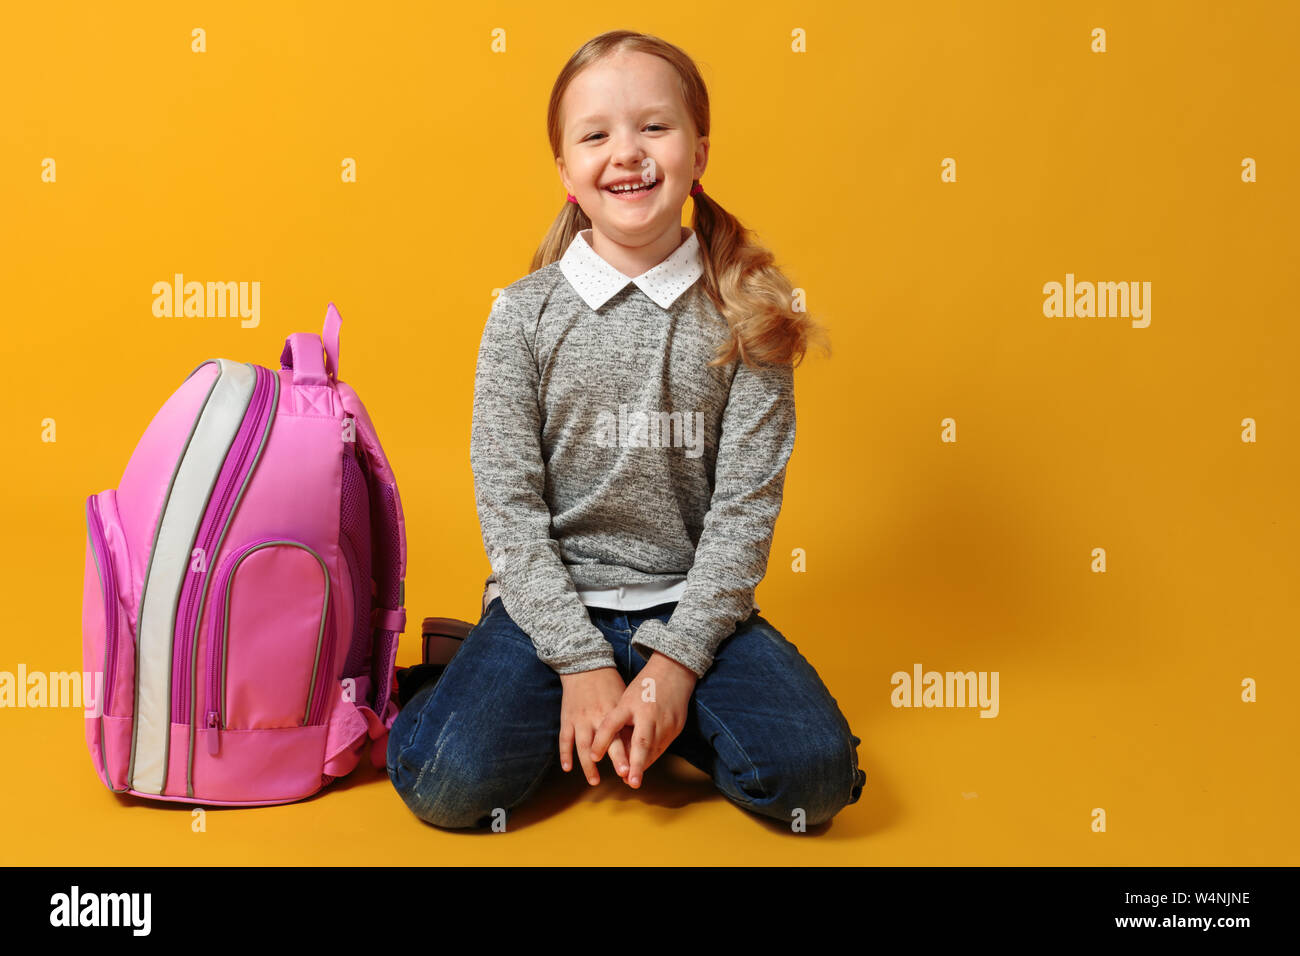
750 292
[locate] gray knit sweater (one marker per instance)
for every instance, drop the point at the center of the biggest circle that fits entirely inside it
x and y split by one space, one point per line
605 452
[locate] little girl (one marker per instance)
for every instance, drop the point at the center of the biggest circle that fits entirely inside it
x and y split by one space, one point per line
633 418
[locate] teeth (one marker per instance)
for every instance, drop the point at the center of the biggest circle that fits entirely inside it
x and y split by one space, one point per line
631 187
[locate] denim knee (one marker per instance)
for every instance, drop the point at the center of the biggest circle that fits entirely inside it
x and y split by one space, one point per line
445 777
438 792
812 786
423 767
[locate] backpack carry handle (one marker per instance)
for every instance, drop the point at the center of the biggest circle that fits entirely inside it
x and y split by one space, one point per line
302 352
330 336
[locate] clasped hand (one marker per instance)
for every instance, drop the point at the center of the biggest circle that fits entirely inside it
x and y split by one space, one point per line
635 722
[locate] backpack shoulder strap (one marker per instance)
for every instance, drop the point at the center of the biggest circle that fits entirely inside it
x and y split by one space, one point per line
388 560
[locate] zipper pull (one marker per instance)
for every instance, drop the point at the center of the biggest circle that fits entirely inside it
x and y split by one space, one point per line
213 733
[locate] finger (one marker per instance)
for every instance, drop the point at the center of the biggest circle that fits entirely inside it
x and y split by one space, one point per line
614 722
642 740
583 736
658 746
618 751
626 737
566 745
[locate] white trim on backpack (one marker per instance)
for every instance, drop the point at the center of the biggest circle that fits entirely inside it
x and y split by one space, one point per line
178 526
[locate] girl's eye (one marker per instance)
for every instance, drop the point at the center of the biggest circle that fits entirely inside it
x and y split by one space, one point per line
592 137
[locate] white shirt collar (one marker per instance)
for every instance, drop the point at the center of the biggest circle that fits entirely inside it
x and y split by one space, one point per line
597 281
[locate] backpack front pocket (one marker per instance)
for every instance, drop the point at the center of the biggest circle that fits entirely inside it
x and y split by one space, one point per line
270 640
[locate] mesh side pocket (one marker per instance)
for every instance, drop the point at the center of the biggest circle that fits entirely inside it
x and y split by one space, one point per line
388 584
354 537
386 518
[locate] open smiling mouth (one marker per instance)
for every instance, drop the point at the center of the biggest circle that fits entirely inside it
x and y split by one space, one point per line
635 192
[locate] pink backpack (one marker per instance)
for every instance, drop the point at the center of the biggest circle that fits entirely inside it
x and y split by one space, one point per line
244 588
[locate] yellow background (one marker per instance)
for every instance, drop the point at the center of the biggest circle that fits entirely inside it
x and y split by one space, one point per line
1118 690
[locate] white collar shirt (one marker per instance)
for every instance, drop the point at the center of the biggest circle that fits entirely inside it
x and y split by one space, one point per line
596 281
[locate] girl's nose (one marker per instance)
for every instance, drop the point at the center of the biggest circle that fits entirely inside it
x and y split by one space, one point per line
629 152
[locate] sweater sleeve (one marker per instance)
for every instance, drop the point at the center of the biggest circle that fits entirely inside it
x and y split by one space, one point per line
536 588
758 428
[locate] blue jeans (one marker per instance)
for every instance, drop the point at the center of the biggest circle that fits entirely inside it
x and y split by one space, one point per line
483 737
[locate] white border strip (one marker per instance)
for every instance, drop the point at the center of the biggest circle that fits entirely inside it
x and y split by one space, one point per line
196 476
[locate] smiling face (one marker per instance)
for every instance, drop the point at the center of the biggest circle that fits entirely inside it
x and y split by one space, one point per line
624 124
